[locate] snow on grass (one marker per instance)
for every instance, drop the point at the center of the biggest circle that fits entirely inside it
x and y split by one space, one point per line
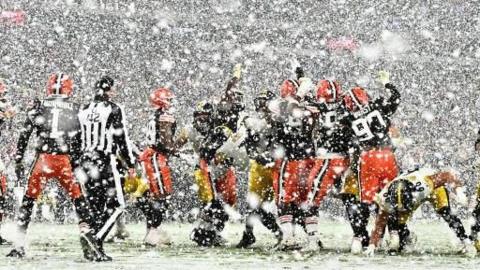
57 247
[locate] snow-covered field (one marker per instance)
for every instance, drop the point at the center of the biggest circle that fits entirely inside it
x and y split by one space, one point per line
56 247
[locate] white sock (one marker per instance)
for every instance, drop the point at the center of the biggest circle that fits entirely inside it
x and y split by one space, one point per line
286 225
311 225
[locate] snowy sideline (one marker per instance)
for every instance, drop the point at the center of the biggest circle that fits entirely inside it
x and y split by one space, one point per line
56 247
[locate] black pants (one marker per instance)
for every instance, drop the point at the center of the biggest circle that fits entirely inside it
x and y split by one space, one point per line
154 210
476 226
358 214
104 192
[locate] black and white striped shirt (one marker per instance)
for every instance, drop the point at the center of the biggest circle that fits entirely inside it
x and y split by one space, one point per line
104 130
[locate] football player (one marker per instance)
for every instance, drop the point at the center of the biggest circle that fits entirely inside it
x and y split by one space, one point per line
161 145
400 198
7 111
57 130
259 143
215 179
295 121
333 142
373 163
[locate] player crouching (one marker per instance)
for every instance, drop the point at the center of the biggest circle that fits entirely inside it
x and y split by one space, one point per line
401 197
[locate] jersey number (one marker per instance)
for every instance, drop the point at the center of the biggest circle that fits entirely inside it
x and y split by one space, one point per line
329 119
94 130
362 126
55 133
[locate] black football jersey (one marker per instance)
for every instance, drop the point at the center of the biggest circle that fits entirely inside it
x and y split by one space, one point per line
56 125
154 130
333 136
295 128
370 125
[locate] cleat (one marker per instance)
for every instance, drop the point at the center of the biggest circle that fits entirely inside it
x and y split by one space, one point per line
93 245
356 247
468 248
17 253
157 237
88 253
247 240
394 243
102 257
218 240
204 237
3 241
313 244
477 245
279 237
410 243
118 236
289 244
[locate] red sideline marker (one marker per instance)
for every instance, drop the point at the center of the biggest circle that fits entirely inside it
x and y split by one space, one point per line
17 17
342 43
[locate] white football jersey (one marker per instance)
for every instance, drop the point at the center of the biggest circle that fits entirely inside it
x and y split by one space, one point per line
421 180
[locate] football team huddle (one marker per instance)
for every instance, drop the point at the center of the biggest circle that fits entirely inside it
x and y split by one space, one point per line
309 141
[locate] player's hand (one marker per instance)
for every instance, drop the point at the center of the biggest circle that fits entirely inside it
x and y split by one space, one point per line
383 77
237 71
370 251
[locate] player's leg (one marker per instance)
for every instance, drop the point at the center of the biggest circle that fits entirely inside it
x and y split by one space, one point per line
3 194
475 229
260 191
358 210
286 192
268 219
204 234
158 173
400 236
441 202
156 214
254 201
64 174
387 162
36 179
98 188
225 186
